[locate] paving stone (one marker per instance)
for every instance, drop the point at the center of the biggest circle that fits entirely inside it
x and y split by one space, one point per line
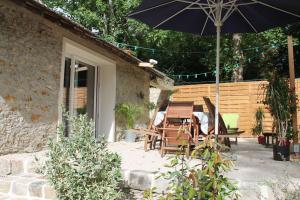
5 186
30 166
17 167
36 188
18 198
4 197
5 167
140 180
19 188
49 192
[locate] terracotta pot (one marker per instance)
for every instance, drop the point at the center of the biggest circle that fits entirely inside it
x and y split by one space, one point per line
261 139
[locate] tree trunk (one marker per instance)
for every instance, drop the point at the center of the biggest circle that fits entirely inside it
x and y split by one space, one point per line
238 71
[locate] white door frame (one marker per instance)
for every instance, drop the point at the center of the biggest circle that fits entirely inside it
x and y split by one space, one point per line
105 85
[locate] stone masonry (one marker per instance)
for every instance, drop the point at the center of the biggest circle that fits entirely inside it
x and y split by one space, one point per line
30 59
30 66
19 178
133 87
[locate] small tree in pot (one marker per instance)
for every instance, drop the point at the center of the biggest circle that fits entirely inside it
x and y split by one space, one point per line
258 128
279 100
129 113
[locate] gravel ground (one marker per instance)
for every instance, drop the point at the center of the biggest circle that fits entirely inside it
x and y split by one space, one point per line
254 166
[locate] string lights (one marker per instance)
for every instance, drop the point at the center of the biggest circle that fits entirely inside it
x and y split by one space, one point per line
261 51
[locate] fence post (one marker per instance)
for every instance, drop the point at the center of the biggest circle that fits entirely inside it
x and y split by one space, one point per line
292 84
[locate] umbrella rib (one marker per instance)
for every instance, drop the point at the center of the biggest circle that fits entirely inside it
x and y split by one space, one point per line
245 18
204 26
275 8
211 9
151 8
246 4
189 2
229 11
177 13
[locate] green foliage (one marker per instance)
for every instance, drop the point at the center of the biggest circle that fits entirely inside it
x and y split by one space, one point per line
150 106
106 17
279 100
205 180
109 18
129 112
259 118
81 168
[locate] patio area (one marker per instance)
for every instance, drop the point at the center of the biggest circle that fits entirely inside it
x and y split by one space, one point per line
254 166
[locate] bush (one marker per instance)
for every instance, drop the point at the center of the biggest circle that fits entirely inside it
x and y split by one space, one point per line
129 112
81 168
205 181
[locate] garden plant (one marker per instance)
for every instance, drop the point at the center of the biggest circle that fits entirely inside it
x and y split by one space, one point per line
129 113
79 167
258 128
279 99
204 181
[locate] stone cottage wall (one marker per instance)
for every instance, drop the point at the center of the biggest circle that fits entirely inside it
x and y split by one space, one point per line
133 86
30 59
30 64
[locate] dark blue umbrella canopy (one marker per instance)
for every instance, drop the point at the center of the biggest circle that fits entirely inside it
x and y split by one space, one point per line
199 16
207 17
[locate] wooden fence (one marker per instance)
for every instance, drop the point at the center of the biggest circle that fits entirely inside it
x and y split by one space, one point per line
243 98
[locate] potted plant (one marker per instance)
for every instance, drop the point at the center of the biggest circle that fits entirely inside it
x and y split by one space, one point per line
258 128
129 113
279 101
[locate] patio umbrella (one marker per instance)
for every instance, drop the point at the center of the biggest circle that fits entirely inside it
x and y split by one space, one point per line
207 17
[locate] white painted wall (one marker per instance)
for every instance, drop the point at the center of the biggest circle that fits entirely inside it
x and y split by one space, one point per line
107 101
107 87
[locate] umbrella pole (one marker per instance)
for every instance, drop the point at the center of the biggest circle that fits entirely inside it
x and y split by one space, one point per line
217 80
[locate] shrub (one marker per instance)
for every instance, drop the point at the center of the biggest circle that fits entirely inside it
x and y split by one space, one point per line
259 118
79 167
280 101
129 112
206 180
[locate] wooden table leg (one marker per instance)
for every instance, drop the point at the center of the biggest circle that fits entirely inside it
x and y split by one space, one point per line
146 142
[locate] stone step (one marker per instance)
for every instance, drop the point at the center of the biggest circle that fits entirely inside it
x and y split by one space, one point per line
18 164
25 187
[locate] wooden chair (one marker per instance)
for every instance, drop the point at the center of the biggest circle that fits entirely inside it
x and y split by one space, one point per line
223 132
151 133
177 127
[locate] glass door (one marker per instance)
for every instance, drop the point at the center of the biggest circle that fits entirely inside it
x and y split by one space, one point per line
80 89
84 90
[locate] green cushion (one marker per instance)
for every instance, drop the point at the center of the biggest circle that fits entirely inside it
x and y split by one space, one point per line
231 120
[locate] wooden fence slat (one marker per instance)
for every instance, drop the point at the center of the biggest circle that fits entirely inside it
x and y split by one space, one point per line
242 98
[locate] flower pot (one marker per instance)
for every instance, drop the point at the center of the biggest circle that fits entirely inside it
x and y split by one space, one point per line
261 139
281 153
130 136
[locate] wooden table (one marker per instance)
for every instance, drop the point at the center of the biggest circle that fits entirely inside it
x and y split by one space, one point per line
267 136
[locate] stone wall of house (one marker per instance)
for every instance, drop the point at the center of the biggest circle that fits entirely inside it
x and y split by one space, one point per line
30 64
133 86
30 60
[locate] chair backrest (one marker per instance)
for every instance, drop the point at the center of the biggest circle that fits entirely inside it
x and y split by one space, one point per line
174 123
180 110
211 109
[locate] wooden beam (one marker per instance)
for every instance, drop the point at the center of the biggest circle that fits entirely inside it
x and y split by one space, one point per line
145 64
292 84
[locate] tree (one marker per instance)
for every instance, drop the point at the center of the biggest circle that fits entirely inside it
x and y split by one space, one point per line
182 53
237 74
